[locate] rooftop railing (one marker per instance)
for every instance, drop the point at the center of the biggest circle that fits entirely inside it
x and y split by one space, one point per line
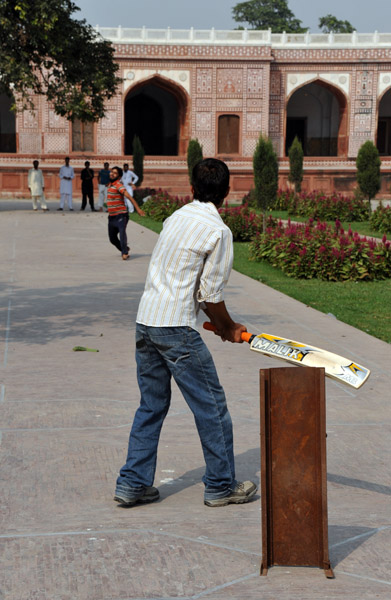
142 35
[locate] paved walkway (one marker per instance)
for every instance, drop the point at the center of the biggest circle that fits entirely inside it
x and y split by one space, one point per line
65 418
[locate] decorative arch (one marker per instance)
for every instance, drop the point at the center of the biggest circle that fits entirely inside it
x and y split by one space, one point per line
317 112
7 125
383 134
157 110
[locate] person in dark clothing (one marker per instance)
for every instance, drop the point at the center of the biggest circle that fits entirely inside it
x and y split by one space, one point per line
87 186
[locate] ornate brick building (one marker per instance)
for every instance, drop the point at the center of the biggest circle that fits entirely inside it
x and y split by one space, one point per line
224 88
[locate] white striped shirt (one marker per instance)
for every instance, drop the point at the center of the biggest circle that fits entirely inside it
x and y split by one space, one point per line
190 264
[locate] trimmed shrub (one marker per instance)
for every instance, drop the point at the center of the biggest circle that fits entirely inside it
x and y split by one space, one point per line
161 205
265 167
318 250
296 154
138 160
368 170
381 219
194 156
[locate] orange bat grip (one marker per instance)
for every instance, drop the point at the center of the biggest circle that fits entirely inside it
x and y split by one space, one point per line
245 334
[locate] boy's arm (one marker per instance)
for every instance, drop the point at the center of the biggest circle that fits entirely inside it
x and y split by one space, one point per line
227 329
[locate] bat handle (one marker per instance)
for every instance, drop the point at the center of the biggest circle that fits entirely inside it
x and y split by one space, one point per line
246 336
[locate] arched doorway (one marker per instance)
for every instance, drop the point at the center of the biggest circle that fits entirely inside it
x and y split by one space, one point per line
7 125
155 111
317 115
384 125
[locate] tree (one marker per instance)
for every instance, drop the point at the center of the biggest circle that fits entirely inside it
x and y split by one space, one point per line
330 23
194 156
295 154
138 159
265 167
368 170
44 51
268 14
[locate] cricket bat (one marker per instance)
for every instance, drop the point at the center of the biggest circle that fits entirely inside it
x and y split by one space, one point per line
337 367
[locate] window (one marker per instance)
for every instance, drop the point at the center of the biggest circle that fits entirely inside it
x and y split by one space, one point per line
82 136
228 134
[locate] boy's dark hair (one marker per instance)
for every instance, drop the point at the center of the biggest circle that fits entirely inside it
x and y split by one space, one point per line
210 179
120 171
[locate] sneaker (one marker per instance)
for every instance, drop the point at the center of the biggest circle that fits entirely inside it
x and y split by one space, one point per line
59 209
242 492
148 494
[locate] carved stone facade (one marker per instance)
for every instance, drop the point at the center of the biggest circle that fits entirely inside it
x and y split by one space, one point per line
253 81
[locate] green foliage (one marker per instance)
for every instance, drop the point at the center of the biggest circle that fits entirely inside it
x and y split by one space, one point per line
296 154
267 14
368 170
265 167
138 159
44 51
161 205
194 156
330 23
317 250
381 219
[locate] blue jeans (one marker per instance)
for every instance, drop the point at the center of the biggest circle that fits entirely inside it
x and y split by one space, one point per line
179 352
117 227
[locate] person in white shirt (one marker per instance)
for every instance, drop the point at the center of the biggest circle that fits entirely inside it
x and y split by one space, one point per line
36 186
66 175
129 179
189 268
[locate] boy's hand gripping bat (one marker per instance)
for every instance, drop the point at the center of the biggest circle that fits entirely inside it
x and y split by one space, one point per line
338 368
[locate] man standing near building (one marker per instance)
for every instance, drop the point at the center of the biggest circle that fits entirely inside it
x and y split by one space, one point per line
117 199
66 175
36 186
129 179
103 184
87 186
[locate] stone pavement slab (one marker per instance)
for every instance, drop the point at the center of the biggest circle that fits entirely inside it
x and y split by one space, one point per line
65 418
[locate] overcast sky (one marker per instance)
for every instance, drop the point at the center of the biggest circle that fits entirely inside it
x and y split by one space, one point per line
364 15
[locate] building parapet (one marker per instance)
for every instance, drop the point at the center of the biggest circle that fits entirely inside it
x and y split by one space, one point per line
143 35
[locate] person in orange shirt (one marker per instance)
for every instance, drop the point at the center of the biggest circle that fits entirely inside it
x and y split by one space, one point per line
117 199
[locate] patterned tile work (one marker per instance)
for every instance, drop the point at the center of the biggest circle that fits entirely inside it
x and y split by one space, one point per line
248 81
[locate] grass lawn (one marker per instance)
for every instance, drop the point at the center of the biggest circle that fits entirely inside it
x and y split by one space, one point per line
365 305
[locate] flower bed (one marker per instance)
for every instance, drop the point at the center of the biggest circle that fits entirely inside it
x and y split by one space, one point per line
161 205
317 205
243 223
318 250
381 219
